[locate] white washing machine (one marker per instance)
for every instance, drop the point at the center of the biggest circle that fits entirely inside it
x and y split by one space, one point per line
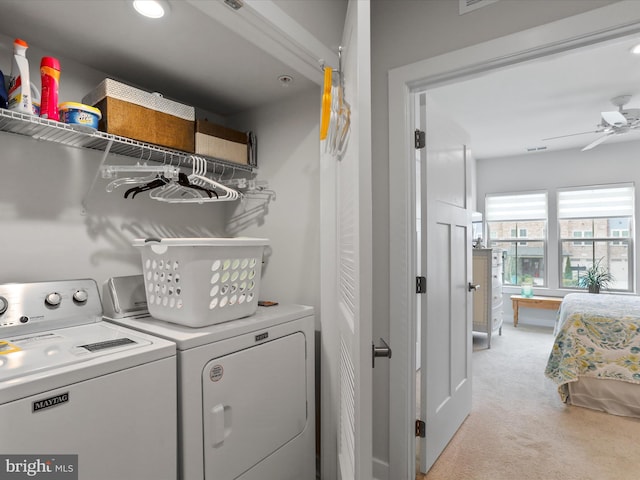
100 396
246 406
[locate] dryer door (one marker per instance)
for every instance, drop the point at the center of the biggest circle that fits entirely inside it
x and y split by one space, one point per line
254 401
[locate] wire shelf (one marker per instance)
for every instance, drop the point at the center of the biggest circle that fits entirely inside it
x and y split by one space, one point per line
62 133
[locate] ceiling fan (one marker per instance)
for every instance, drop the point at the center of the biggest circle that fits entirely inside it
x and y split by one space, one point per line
616 122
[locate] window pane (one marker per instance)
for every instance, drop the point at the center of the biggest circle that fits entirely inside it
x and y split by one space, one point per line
576 258
614 257
576 228
535 229
531 263
522 262
502 230
509 276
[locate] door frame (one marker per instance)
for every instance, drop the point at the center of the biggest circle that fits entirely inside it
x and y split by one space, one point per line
607 23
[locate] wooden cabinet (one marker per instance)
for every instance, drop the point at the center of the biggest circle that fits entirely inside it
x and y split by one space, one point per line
487 299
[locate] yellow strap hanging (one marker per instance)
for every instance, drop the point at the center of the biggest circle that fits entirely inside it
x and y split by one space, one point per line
326 104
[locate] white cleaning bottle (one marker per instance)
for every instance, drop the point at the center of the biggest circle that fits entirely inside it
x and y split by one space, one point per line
20 85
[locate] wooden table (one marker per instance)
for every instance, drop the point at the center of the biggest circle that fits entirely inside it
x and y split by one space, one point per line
548 303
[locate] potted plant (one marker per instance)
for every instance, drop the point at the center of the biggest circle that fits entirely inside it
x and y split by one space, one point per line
595 278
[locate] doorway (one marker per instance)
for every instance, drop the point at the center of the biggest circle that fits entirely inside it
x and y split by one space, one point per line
621 20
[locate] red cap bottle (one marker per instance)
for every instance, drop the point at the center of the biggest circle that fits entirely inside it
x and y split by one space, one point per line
50 78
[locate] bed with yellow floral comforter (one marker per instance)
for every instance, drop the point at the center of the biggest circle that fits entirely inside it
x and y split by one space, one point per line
597 336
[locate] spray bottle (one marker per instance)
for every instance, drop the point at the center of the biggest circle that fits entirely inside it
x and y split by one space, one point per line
50 77
20 85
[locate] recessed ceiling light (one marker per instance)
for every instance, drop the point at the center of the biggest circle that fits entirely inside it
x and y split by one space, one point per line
285 80
636 49
150 8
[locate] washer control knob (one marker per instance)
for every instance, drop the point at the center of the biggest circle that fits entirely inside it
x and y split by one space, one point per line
53 299
4 304
80 296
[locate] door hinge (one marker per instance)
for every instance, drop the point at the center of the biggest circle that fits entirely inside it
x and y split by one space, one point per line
420 139
421 284
421 429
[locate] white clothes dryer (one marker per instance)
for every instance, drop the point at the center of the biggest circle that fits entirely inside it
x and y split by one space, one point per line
246 406
72 387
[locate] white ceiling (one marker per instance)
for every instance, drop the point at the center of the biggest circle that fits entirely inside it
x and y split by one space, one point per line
508 111
199 55
196 54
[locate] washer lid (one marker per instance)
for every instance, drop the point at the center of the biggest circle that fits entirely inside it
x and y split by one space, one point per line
34 362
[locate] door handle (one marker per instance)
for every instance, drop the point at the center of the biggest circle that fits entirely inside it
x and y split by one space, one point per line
473 287
384 351
219 424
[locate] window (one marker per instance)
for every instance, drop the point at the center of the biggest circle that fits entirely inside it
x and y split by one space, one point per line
616 232
581 234
602 218
517 224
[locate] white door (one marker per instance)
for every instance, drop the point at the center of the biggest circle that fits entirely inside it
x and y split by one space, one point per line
346 271
445 309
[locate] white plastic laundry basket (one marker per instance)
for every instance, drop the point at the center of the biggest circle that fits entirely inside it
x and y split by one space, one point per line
201 281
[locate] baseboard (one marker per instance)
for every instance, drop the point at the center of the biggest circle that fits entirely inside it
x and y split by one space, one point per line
380 469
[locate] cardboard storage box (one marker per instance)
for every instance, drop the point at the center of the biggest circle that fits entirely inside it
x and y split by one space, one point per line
221 142
147 117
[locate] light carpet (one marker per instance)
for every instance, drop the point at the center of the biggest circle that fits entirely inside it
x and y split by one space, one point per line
519 429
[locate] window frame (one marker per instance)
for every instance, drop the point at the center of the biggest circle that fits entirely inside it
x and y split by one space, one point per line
519 241
593 240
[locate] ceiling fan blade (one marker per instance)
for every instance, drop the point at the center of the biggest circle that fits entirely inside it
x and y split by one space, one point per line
615 118
572 135
597 142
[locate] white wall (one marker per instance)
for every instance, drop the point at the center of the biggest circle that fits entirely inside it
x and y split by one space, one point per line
605 164
289 158
404 32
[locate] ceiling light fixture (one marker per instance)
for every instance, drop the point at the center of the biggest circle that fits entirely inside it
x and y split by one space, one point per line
150 8
636 49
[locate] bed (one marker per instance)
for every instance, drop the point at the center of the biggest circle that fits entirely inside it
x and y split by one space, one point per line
595 359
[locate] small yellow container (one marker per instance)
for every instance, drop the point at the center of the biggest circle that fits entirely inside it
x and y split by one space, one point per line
80 115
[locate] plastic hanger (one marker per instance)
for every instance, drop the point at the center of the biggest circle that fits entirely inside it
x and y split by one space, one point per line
199 182
111 171
156 183
177 190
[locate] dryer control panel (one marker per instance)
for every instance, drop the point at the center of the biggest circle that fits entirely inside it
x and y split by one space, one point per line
39 306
